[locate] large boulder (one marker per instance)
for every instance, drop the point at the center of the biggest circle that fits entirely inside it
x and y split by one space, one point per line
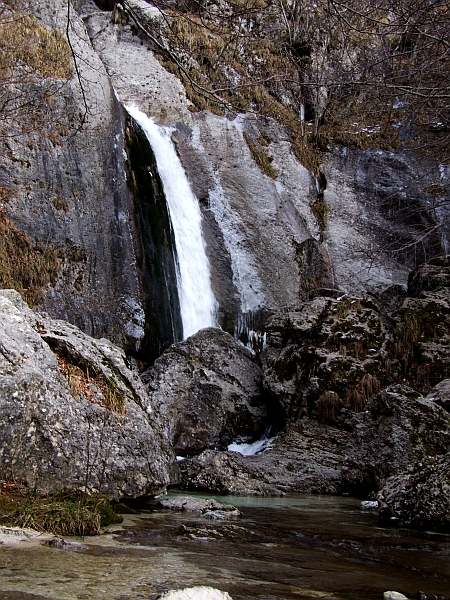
397 430
420 497
72 413
207 392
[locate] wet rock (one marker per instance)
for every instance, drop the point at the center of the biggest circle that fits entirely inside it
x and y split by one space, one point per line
62 544
207 392
394 596
391 299
72 413
369 505
397 430
424 596
209 508
23 537
224 473
221 515
299 461
419 497
329 363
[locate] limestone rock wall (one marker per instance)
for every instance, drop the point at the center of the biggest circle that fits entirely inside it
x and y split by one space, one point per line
69 191
265 244
72 413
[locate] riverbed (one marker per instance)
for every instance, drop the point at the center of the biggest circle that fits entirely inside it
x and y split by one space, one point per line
302 547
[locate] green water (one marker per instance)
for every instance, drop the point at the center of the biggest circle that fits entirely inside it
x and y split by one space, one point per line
281 548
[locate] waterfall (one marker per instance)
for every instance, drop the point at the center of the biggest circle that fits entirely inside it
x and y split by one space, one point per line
197 302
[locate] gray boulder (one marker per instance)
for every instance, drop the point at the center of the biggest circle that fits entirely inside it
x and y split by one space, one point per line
209 507
420 497
72 413
207 392
398 430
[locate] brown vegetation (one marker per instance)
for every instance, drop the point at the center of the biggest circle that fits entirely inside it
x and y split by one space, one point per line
95 387
330 72
24 266
262 159
66 513
35 64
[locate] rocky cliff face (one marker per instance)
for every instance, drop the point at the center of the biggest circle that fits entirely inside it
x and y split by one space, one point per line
273 234
273 237
68 191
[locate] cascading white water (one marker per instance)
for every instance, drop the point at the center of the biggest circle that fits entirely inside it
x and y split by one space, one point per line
197 302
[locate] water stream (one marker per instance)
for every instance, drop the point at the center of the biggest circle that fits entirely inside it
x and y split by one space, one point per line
296 547
197 302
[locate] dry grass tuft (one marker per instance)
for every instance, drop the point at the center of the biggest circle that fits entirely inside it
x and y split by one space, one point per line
7 194
24 266
328 406
262 159
66 513
95 387
26 43
320 211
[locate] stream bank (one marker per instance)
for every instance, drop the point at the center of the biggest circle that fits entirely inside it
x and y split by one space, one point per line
298 546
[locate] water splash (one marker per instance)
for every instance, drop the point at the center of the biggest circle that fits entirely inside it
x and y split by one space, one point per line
253 448
197 302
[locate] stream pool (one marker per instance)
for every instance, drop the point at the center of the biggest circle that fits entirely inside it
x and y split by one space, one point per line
302 547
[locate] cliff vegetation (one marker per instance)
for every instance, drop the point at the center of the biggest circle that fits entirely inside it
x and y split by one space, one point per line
35 63
373 75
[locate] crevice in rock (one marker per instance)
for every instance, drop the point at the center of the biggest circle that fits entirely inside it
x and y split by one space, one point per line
155 248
